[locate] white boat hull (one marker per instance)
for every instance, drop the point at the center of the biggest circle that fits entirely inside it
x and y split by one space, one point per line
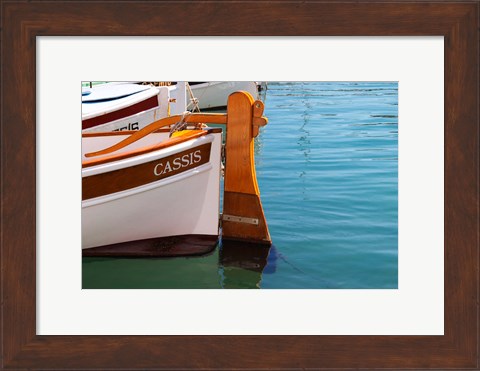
186 203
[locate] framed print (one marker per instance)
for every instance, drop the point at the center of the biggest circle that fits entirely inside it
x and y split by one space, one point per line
244 329
382 295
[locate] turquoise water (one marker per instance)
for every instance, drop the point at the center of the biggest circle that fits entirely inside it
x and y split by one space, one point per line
327 167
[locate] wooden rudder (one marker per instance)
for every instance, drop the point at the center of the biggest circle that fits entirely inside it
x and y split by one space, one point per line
243 217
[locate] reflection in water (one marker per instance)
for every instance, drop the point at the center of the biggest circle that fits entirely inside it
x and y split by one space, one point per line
304 144
242 264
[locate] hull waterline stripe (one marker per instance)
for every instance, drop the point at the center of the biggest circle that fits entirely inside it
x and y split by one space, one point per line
185 245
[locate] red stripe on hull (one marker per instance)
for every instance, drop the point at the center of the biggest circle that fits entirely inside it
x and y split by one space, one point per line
147 104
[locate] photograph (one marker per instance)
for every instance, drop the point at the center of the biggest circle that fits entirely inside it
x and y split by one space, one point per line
306 198
239 184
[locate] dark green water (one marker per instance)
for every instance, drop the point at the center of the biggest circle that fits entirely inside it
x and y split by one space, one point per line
327 167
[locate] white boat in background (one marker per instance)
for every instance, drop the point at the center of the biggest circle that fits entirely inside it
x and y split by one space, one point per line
156 191
214 94
122 106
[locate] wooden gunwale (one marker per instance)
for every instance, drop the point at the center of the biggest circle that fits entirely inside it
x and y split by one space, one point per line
193 118
130 132
140 151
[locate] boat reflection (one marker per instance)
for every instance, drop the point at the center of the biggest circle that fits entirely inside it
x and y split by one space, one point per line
242 264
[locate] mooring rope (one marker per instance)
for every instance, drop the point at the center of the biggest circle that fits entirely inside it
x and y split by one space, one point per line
181 125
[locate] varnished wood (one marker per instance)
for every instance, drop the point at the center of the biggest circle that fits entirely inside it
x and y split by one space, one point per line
241 194
194 118
258 119
139 151
129 132
239 167
23 22
248 206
